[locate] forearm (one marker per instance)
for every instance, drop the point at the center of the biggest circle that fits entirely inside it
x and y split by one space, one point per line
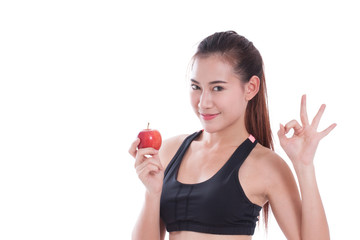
313 221
148 224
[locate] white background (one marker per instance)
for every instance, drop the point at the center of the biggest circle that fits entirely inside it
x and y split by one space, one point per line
80 79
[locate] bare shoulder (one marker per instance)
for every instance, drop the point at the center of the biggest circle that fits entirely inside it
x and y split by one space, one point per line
272 167
169 148
267 157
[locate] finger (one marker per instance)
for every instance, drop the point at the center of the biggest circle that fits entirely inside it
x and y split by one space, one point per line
153 160
147 151
147 168
149 161
303 111
295 125
150 168
132 149
328 130
142 154
316 120
281 134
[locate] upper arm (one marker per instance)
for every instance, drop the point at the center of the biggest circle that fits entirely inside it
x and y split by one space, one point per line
284 198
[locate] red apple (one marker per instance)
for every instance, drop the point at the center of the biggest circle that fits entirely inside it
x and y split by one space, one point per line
149 138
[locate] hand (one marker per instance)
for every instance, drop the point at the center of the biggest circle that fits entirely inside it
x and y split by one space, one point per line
148 167
301 147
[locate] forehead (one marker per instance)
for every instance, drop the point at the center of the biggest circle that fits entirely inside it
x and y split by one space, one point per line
211 68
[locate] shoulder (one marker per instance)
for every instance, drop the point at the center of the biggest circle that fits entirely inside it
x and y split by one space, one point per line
268 158
169 148
273 169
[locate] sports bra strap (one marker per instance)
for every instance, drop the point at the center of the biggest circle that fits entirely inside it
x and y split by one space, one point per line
182 149
234 163
238 157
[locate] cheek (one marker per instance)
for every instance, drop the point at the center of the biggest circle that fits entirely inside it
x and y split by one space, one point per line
234 103
194 99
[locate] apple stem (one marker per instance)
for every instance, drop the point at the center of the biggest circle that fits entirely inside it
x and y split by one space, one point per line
148 126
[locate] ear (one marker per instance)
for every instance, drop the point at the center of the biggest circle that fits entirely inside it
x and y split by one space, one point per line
252 87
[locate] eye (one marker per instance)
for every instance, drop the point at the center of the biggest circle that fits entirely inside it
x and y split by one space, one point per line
218 88
195 87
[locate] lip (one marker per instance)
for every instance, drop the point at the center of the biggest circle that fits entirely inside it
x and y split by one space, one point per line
208 117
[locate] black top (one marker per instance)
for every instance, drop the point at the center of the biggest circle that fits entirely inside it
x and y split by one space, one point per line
217 205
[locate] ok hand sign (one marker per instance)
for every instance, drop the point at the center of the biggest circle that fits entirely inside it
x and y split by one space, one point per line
301 147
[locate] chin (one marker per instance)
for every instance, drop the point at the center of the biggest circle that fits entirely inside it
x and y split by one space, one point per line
218 126
210 128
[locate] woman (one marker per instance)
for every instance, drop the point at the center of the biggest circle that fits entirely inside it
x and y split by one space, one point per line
213 183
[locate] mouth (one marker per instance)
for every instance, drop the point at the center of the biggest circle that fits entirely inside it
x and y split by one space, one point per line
208 117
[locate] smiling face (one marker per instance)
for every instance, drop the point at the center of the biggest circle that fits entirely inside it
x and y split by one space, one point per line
217 94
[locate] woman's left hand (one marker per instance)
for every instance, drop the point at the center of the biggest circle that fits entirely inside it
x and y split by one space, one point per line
301 147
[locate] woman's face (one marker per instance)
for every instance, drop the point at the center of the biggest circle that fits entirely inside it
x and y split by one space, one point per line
217 94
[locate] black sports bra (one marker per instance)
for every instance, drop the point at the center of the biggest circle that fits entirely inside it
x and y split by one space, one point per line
217 205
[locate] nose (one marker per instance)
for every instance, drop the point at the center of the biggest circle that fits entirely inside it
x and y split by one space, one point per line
205 100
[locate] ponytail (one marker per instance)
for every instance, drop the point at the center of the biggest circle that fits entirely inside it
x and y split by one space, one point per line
257 123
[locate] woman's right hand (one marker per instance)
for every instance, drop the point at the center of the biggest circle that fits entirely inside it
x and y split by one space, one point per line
148 167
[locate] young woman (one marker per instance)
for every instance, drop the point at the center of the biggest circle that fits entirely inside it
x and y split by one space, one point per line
213 183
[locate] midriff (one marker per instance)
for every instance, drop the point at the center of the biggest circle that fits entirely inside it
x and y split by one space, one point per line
188 235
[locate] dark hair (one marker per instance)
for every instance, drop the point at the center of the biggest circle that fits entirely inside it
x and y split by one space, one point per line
247 62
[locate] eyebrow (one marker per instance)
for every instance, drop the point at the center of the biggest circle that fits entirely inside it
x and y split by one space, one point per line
210 83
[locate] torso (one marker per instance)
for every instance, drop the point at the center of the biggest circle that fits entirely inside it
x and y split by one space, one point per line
203 169
252 176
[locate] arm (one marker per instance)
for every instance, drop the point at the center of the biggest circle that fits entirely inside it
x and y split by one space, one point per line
301 148
283 195
147 227
314 224
151 173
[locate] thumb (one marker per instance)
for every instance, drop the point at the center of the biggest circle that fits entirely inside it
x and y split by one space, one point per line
281 133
